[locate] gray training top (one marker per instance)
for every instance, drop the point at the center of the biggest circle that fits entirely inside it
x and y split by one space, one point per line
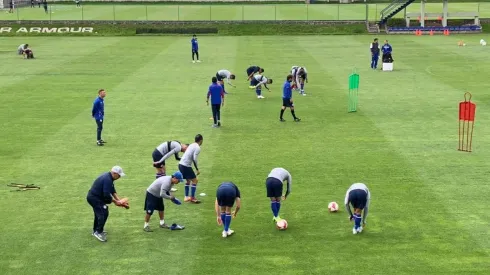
160 188
358 186
167 151
282 175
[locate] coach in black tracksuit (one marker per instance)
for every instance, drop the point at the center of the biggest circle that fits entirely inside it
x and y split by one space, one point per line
100 196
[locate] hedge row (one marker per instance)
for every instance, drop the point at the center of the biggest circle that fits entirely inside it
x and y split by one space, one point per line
129 28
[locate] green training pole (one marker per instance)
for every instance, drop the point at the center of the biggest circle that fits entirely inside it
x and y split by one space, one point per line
353 91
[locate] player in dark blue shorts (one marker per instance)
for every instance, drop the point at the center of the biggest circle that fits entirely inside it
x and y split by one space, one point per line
287 99
253 70
226 196
358 196
274 186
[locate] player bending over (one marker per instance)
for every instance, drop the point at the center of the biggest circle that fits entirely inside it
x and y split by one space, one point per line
165 151
252 70
358 196
185 167
257 81
22 48
225 74
226 196
156 192
300 76
274 184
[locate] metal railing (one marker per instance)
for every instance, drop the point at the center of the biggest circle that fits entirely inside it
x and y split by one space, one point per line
142 12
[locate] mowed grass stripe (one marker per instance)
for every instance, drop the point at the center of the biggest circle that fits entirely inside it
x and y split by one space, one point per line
429 140
35 78
55 183
402 158
442 109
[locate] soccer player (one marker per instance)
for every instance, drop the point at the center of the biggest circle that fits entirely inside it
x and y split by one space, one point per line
165 151
358 196
252 70
185 167
374 53
274 185
195 49
101 194
226 196
22 48
257 81
287 99
156 192
78 3
225 74
45 6
28 54
387 49
98 115
217 101
300 75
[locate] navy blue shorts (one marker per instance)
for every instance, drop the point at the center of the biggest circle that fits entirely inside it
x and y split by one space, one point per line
274 188
156 155
287 102
187 172
358 198
251 70
226 195
153 203
254 81
219 77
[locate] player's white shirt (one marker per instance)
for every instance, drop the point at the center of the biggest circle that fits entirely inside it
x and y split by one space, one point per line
356 186
21 47
190 155
483 42
261 79
225 74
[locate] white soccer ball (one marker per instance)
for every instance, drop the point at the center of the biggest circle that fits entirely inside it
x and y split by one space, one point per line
282 225
333 207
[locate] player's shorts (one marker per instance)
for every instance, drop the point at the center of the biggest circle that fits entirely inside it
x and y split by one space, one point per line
274 187
20 51
286 102
358 198
254 82
187 172
156 155
219 77
226 195
153 203
251 70
194 51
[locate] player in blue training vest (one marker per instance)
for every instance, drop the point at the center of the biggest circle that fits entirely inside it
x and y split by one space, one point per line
98 115
226 196
374 53
195 49
287 99
387 49
217 101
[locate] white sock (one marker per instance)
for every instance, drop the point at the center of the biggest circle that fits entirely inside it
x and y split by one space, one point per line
162 222
147 224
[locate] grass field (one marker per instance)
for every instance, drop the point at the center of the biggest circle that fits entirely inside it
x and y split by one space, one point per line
228 12
428 212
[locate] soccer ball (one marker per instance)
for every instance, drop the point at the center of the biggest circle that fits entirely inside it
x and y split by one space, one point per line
282 225
333 207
